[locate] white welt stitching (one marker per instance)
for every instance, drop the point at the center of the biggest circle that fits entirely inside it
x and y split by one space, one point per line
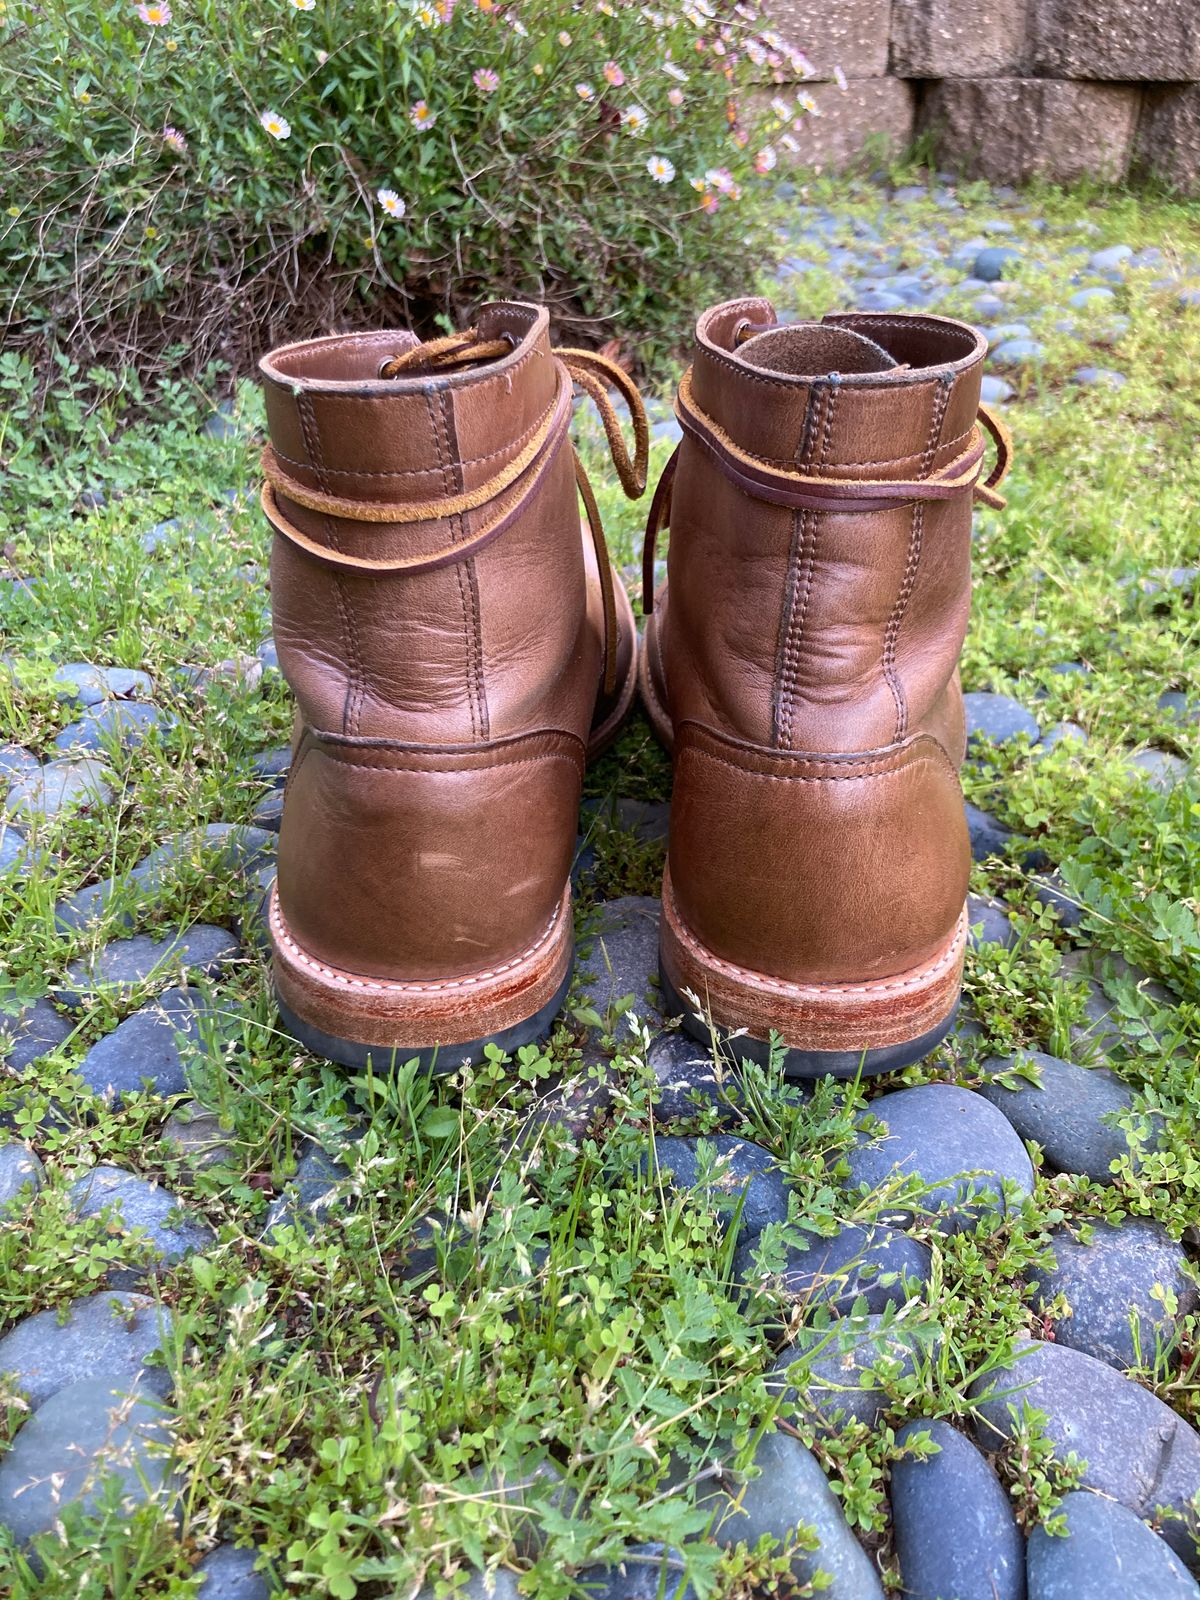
389 985
760 980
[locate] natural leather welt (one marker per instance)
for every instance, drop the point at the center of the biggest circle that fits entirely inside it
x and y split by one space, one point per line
817 869
426 863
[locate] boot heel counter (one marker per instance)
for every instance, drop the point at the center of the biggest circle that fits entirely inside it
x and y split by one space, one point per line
817 869
418 863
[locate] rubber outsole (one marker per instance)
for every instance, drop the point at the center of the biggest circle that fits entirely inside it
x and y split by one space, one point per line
436 1059
800 1063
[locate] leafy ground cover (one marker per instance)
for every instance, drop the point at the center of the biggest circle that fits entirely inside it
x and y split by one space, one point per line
495 1276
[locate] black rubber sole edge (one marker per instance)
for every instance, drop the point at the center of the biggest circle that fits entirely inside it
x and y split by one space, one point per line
807 1063
439 1059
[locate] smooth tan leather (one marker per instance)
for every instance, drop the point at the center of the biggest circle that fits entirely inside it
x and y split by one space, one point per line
805 661
444 715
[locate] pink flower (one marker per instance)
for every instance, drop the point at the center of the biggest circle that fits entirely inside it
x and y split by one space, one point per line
485 80
175 139
675 96
156 15
613 74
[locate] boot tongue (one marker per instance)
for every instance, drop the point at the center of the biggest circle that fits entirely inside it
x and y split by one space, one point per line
812 349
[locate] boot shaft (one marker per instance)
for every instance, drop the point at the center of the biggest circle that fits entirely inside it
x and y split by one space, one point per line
451 651
822 628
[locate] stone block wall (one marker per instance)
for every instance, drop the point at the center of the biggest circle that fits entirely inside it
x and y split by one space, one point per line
1007 89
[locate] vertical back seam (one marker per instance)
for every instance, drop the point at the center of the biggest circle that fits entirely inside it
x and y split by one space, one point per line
915 541
356 684
436 419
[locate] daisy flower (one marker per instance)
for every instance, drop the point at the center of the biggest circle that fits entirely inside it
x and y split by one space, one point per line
720 178
175 139
278 127
303 5
426 17
485 80
675 97
156 15
660 169
391 203
564 39
635 119
420 115
613 74
808 105
672 71
322 57
585 91
781 108
839 77
709 203
766 159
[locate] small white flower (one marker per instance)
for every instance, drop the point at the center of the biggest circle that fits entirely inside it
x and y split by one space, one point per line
839 77
303 5
675 72
660 169
391 203
278 127
585 91
635 119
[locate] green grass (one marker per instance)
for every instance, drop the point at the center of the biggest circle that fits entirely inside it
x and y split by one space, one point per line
334 1403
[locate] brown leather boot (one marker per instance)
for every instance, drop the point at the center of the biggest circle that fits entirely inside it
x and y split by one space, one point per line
802 662
456 651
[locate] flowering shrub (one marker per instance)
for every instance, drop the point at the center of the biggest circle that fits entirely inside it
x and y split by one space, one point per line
192 179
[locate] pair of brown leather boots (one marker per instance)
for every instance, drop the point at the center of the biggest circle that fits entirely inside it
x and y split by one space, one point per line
457 651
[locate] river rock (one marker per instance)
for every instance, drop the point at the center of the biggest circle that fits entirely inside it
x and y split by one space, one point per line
852 1367
227 1573
32 1034
1070 1112
80 1438
142 1207
310 1195
987 922
145 1049
1138 1450
1117 1279
123 964
880 1265
21 1174
742 1174
787 1491
622 961
1108 1553
82 784
953 1524
686 1083
109 1335
951 1139
998 717
643 1572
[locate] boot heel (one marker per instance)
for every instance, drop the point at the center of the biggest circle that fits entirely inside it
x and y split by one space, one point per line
829 1028
352 1019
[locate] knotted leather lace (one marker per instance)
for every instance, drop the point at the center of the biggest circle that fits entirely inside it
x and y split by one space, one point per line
798 490
592 373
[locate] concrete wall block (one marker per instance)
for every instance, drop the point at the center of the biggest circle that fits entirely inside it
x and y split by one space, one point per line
1155 41
1167 144
851 34
1011 129
958 38
835 138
